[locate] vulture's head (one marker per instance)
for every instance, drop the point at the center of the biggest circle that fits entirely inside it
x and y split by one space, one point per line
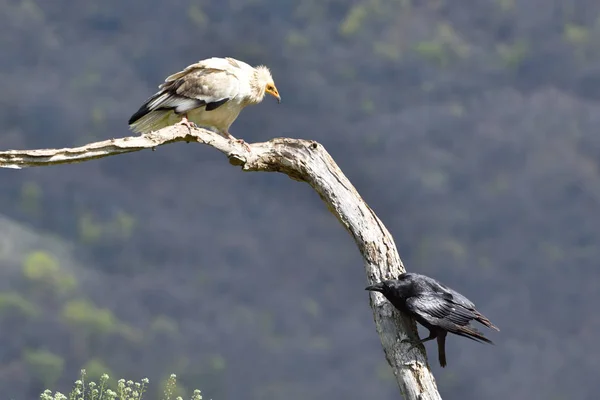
264 83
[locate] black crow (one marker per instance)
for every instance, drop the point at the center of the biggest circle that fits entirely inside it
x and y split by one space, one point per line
435 306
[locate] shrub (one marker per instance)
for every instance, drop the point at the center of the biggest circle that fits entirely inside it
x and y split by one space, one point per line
125 390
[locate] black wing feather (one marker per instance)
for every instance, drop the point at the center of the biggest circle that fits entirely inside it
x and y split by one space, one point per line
442 313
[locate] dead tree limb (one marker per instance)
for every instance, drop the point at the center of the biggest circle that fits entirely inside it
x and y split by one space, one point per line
305 161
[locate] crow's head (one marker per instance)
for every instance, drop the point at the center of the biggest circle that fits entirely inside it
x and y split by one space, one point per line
393 287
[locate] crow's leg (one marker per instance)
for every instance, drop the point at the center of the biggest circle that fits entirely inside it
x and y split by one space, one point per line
432 335
441 340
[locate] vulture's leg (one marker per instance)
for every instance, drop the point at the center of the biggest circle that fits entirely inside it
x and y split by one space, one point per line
186 122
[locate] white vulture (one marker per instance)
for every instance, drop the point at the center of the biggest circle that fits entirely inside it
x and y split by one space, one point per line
210 93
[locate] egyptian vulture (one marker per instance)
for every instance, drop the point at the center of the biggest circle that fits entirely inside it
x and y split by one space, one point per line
210 93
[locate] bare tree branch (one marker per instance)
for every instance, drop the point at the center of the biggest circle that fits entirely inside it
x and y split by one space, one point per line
305 161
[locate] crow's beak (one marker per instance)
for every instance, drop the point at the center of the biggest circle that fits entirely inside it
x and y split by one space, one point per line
378 287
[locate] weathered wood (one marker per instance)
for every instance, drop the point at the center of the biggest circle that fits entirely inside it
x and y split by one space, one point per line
305 161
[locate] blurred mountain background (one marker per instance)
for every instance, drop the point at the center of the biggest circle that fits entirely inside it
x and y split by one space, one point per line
471 128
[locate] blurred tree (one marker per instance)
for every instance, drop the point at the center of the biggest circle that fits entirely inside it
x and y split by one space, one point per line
45 366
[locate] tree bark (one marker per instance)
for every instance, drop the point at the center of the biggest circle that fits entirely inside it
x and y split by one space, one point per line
305 161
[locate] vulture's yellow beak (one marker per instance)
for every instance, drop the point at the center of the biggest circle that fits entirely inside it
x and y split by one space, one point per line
272 90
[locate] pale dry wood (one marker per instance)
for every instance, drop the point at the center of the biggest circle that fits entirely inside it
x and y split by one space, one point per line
305 161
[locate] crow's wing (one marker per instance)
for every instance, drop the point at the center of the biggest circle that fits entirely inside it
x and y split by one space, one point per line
441 289
461 301
434 306
444 314
458 299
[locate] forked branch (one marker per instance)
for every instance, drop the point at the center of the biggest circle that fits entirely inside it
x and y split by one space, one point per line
305 161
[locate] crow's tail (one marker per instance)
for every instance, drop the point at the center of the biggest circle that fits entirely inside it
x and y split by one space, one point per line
483 319
471 333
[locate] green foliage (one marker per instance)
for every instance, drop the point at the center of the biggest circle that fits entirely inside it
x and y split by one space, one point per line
389 51
84 314
93 322
124 390
123 225
434 179
95 368
45 366
31 196
217 363
512 55
40 265
576 35
368 106
92 231
453 248
14 303
445 46
197 16
354 20
433 51
98 116
163 325
312 307
296 40
32 10
506 5
43 270
579 37
86 80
